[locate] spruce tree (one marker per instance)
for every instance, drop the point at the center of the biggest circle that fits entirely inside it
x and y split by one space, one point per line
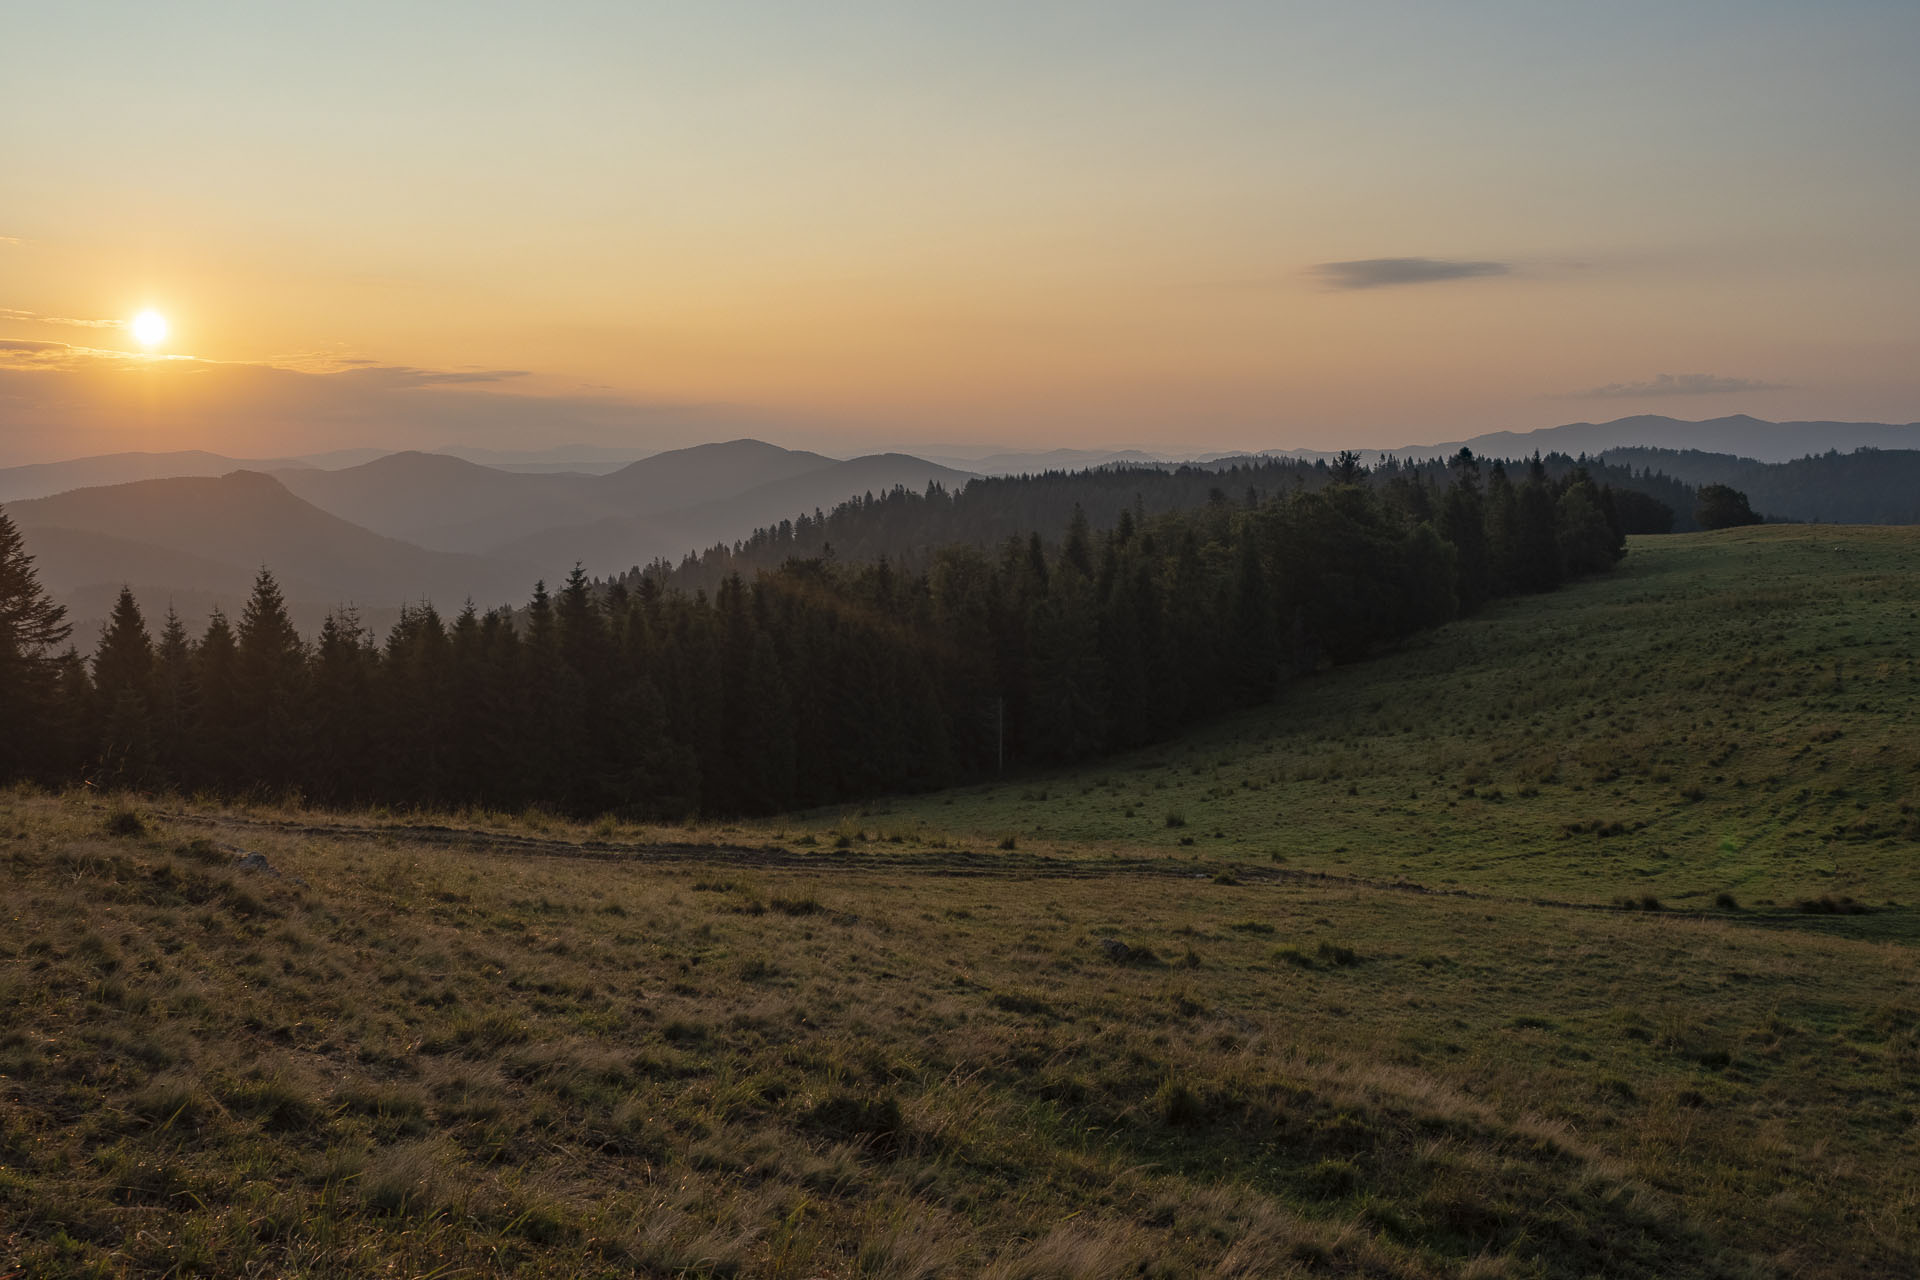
31 627
123 692
1463 523
340 745
71 721
1536 541
173 702
214 755
269 684
547 746
1503 533
1251 636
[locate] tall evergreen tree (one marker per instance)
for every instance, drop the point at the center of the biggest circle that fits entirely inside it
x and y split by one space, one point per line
1251 635
340 742
217 754
32 626
71 722
269 686
1537 556
1463 522
174 701
123 693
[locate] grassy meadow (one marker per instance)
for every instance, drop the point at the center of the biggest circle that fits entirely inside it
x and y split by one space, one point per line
1728 713
1380 1014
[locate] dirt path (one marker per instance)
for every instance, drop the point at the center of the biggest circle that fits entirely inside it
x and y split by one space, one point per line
1011 864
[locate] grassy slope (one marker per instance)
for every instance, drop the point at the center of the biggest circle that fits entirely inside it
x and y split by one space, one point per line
735 1051
1740 704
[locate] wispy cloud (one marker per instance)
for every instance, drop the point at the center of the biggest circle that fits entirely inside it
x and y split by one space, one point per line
400 375
64 400
35 317
21 353
1376 273
1676 384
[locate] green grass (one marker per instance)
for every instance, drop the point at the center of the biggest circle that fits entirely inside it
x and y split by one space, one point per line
1726 713
892 1042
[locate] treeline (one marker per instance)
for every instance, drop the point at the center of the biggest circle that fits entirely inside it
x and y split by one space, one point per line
911 528
817 681
1867 486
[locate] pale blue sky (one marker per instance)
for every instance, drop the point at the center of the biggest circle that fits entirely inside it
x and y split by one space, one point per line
1100 222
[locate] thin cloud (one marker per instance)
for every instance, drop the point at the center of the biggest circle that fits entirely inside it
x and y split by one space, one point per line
1377 273
12 313
19 353
400 375
64 401
1676 384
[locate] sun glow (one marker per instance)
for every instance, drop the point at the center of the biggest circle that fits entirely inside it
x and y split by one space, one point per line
149 328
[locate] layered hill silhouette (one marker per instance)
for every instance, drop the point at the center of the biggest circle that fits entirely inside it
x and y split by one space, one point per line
39 479
663 505
412 526
199 541
441 502
450 504
406 527
1736 434
1867 486
617 542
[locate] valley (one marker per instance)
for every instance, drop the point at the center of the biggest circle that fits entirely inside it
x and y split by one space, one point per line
1438 966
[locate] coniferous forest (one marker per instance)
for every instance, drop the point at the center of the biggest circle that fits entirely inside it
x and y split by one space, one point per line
821 679
909 528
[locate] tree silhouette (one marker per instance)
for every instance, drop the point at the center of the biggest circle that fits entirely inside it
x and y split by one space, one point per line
816 679
31 627
1723 507
123 694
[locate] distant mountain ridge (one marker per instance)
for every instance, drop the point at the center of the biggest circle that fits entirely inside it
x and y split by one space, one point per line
42 479
409 526
1737 434
448 504
1867 486
614 543
204 538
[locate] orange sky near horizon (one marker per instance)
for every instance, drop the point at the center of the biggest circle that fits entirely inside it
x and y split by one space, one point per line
1087 225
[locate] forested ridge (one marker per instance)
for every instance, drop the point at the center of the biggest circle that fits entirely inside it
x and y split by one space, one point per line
909 528
1867 486
817 680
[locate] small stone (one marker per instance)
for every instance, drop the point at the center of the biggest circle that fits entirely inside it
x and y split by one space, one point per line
255 862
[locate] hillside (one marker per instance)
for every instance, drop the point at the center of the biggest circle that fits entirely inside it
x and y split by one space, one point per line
704 473
211 535
1867 486
1736 434
1377 1013
439 501
909 525
1723 713
615 543
43 479
451 504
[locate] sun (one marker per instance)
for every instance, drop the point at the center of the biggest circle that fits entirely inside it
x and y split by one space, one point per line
150 328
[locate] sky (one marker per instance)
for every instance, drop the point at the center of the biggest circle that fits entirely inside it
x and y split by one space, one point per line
863 225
